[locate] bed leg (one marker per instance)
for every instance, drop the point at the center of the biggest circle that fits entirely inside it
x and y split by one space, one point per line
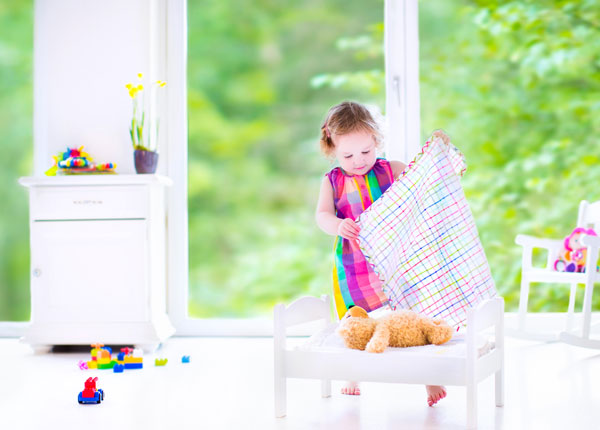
471 406
499 385
325 387
499 377
280 397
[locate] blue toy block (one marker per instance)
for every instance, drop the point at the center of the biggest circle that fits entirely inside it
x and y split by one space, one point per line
118 368
134 365
120 356
185 359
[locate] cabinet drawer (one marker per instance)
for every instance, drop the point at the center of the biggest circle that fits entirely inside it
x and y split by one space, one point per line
101 202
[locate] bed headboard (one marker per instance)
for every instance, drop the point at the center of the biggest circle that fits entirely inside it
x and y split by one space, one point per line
303 310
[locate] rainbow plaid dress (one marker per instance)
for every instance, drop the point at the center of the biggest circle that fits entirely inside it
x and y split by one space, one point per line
354 281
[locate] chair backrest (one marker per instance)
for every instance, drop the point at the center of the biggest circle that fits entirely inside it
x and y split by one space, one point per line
589 215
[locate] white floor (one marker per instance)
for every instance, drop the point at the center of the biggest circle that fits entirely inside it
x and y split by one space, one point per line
228 385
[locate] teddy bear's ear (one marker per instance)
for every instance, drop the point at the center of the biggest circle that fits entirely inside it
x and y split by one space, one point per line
357 311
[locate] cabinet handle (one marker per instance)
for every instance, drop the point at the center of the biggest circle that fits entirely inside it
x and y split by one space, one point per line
37 273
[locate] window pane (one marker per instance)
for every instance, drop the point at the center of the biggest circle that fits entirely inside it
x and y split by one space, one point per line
16 105
516 86
259 85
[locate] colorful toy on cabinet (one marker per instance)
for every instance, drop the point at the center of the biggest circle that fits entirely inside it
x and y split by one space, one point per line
75 161
573 256
398 329
90 395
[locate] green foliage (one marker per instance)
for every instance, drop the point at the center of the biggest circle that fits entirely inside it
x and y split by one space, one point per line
254 164
516 85
16 89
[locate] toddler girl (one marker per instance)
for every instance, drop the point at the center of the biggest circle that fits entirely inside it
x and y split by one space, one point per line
351 136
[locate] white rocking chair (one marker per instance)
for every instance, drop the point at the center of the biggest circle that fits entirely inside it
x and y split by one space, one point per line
589 217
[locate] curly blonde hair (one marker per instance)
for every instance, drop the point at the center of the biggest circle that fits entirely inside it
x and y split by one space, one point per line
344 118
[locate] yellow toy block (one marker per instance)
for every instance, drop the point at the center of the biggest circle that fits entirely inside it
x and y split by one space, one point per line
92 364
134 359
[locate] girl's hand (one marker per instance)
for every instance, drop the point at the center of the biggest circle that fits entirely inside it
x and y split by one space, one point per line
441 134
348 229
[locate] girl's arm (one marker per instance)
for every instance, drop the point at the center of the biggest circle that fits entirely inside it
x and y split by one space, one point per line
397 168
326 218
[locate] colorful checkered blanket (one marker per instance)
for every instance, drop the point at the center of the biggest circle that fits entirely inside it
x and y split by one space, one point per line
422 241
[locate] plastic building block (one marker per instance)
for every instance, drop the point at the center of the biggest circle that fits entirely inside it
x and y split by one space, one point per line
118 368
185 359
132 362
160 361
127 351
90 395
82 365
134 365
92 364
107 364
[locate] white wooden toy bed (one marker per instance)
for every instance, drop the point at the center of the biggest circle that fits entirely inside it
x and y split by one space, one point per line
464 361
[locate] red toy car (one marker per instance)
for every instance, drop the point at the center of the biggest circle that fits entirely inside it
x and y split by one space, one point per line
90 394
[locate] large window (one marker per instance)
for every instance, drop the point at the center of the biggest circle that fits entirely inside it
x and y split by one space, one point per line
259 85
16 105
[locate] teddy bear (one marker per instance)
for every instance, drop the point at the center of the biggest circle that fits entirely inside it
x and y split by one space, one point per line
398 329
573 255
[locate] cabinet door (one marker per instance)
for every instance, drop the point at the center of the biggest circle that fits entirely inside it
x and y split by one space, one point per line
89 271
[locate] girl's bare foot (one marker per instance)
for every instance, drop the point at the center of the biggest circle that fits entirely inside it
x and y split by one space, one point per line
351 388
435 393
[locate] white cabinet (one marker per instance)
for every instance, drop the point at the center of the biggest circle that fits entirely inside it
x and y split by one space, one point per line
98 260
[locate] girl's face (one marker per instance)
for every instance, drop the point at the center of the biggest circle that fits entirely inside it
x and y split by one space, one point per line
356 152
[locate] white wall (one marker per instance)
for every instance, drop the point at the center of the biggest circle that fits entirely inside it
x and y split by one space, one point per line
85 51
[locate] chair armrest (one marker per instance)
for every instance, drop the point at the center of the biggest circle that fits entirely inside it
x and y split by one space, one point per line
529 242
538 242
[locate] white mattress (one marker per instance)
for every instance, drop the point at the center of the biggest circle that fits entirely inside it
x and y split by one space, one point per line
328 340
